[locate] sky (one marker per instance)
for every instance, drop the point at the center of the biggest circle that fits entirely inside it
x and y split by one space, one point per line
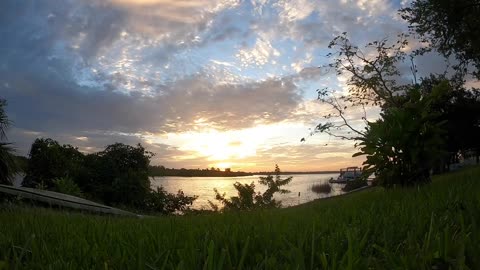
200 83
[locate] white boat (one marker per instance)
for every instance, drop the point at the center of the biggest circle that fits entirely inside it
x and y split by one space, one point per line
347 174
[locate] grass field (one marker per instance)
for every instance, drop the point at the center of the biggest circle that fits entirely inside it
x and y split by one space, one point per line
432 227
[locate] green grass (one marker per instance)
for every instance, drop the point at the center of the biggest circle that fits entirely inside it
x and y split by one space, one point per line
432 227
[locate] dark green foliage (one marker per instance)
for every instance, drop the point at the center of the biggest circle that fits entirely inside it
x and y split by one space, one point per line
160 201
461 112
406 142
248 199
116 176
424 228
162 171
355 184
322 188
245 200
450 26
22 163
66 185
419 129
49 160
4 122
273 186
8 165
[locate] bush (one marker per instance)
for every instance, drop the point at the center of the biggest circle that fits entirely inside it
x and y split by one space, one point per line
322 188
161 201
355 184
248 199
66 185
8 166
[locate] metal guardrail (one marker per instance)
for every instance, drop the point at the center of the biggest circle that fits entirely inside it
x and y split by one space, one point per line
64 200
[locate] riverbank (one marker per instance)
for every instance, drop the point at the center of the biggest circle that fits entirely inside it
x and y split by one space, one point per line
431 227
196 173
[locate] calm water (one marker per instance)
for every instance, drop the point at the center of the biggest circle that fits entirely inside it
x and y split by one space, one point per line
203 187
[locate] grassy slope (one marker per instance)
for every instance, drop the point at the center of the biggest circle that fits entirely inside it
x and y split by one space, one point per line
428 228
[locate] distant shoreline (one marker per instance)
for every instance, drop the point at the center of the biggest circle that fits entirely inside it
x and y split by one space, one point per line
243 174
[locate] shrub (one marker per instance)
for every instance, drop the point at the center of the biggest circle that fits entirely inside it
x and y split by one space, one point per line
322 188
248 199
352 185
66 185
161 201
8 166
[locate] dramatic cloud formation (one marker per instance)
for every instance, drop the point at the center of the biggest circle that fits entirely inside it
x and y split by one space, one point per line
199 82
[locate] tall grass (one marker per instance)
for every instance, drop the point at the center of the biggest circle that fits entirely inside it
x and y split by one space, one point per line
321 188
431 227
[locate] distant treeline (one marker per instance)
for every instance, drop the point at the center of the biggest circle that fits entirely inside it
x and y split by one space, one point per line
214 172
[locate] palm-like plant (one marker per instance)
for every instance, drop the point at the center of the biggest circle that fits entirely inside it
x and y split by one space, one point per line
8 165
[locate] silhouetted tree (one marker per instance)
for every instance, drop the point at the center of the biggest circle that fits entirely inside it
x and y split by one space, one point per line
117 175
401 147
248 199
405 143
461 112
49 160
160 201
449 26
8 166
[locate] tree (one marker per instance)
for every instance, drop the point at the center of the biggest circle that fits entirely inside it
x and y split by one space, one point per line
49 160
405 143
449 26
117 175
273 186
372 81
248 199
461 112
8 166
398 145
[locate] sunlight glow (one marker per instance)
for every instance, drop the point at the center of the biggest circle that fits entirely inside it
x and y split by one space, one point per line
223 165
225 149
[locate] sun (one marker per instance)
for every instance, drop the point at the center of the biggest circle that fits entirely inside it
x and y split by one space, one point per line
220 146
223 165
227 148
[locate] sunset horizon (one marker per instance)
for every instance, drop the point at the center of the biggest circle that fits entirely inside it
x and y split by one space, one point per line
201 84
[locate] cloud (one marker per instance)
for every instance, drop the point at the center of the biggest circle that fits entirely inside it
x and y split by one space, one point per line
93 72
312 156
260 54
44 104
315 23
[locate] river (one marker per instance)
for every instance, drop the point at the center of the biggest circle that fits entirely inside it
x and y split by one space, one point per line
300 187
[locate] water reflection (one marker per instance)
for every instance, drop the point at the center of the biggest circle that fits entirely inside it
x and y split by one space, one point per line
203 187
